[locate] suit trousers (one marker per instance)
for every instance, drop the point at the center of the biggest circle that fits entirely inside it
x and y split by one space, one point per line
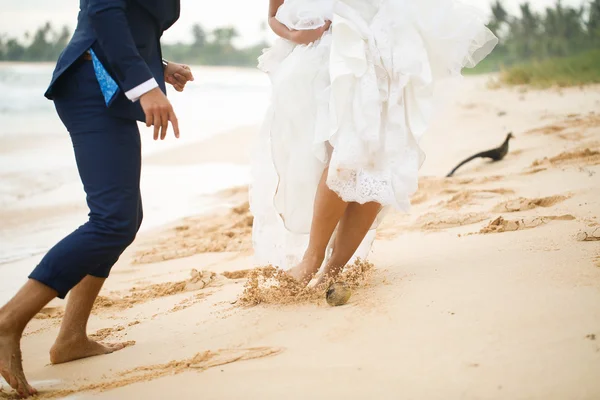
108 155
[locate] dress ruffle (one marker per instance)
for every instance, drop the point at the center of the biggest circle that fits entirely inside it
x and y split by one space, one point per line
359 101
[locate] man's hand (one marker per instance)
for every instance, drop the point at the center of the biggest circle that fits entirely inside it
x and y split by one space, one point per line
178 75
159 112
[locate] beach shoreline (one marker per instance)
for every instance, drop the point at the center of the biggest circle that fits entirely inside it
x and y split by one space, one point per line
482 291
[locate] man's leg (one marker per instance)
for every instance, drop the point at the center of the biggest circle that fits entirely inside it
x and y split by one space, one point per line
72 342
110 171
14 316
108 157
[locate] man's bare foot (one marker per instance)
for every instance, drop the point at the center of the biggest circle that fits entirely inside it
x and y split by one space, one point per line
71 350
11 365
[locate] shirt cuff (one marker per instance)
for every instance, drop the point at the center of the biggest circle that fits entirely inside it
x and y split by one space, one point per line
138 91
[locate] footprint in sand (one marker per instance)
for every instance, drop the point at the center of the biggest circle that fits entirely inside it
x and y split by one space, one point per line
433 187
477 180
429 222
581 157
588 235
532 170
441 221
500 224
199 362
137 295
469 197
103 333
50 313
547 130
226 232
186 303
198 280
117 332
570 128
524 204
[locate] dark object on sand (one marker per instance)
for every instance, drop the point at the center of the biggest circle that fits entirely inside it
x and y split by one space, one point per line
338 294
496 154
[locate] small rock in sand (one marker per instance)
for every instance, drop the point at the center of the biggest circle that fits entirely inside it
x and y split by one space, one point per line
338 294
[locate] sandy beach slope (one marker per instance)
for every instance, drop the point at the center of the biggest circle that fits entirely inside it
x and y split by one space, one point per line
482 292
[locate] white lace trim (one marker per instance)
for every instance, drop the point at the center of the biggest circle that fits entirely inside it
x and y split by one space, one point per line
358 100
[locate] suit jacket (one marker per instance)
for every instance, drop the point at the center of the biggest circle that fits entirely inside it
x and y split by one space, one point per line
125 35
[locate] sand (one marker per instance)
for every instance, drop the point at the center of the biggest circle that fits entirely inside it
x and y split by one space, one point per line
271 285
220 232
488 289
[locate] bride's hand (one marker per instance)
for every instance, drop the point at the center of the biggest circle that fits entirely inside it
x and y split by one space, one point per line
309 36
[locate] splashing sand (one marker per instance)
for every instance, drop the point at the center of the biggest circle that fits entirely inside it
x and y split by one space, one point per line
241 274
270 285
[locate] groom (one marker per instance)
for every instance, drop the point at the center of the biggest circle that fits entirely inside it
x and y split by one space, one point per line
110 75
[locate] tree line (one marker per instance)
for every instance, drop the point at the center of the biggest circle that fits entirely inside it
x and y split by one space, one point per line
557 31
207 48
214 48
45 44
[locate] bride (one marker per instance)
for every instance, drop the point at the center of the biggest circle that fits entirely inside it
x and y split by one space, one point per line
353 88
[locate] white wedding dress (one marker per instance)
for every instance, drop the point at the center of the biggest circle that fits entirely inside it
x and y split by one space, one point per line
358 100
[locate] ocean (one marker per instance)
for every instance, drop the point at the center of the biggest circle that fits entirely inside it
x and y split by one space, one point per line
40 192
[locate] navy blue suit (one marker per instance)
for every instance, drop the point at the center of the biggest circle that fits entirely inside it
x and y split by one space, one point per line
125 36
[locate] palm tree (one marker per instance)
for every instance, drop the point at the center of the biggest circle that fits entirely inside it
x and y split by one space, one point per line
199 35
499 18
593 22
224 36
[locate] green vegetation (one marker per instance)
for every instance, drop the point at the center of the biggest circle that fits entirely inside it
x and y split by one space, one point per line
214 48
560 46
576 70
44 45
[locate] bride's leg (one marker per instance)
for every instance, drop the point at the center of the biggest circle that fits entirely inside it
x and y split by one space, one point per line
354 226
328 209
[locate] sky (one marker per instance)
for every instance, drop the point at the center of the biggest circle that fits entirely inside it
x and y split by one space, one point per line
20 16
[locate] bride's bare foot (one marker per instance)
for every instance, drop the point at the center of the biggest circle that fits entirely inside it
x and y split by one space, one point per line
305 271
329 274
11 365
71 350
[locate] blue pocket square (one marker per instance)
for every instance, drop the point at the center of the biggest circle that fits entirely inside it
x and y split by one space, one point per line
107 84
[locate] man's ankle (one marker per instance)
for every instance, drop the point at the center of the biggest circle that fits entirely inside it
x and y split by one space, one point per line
8 326
72 337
